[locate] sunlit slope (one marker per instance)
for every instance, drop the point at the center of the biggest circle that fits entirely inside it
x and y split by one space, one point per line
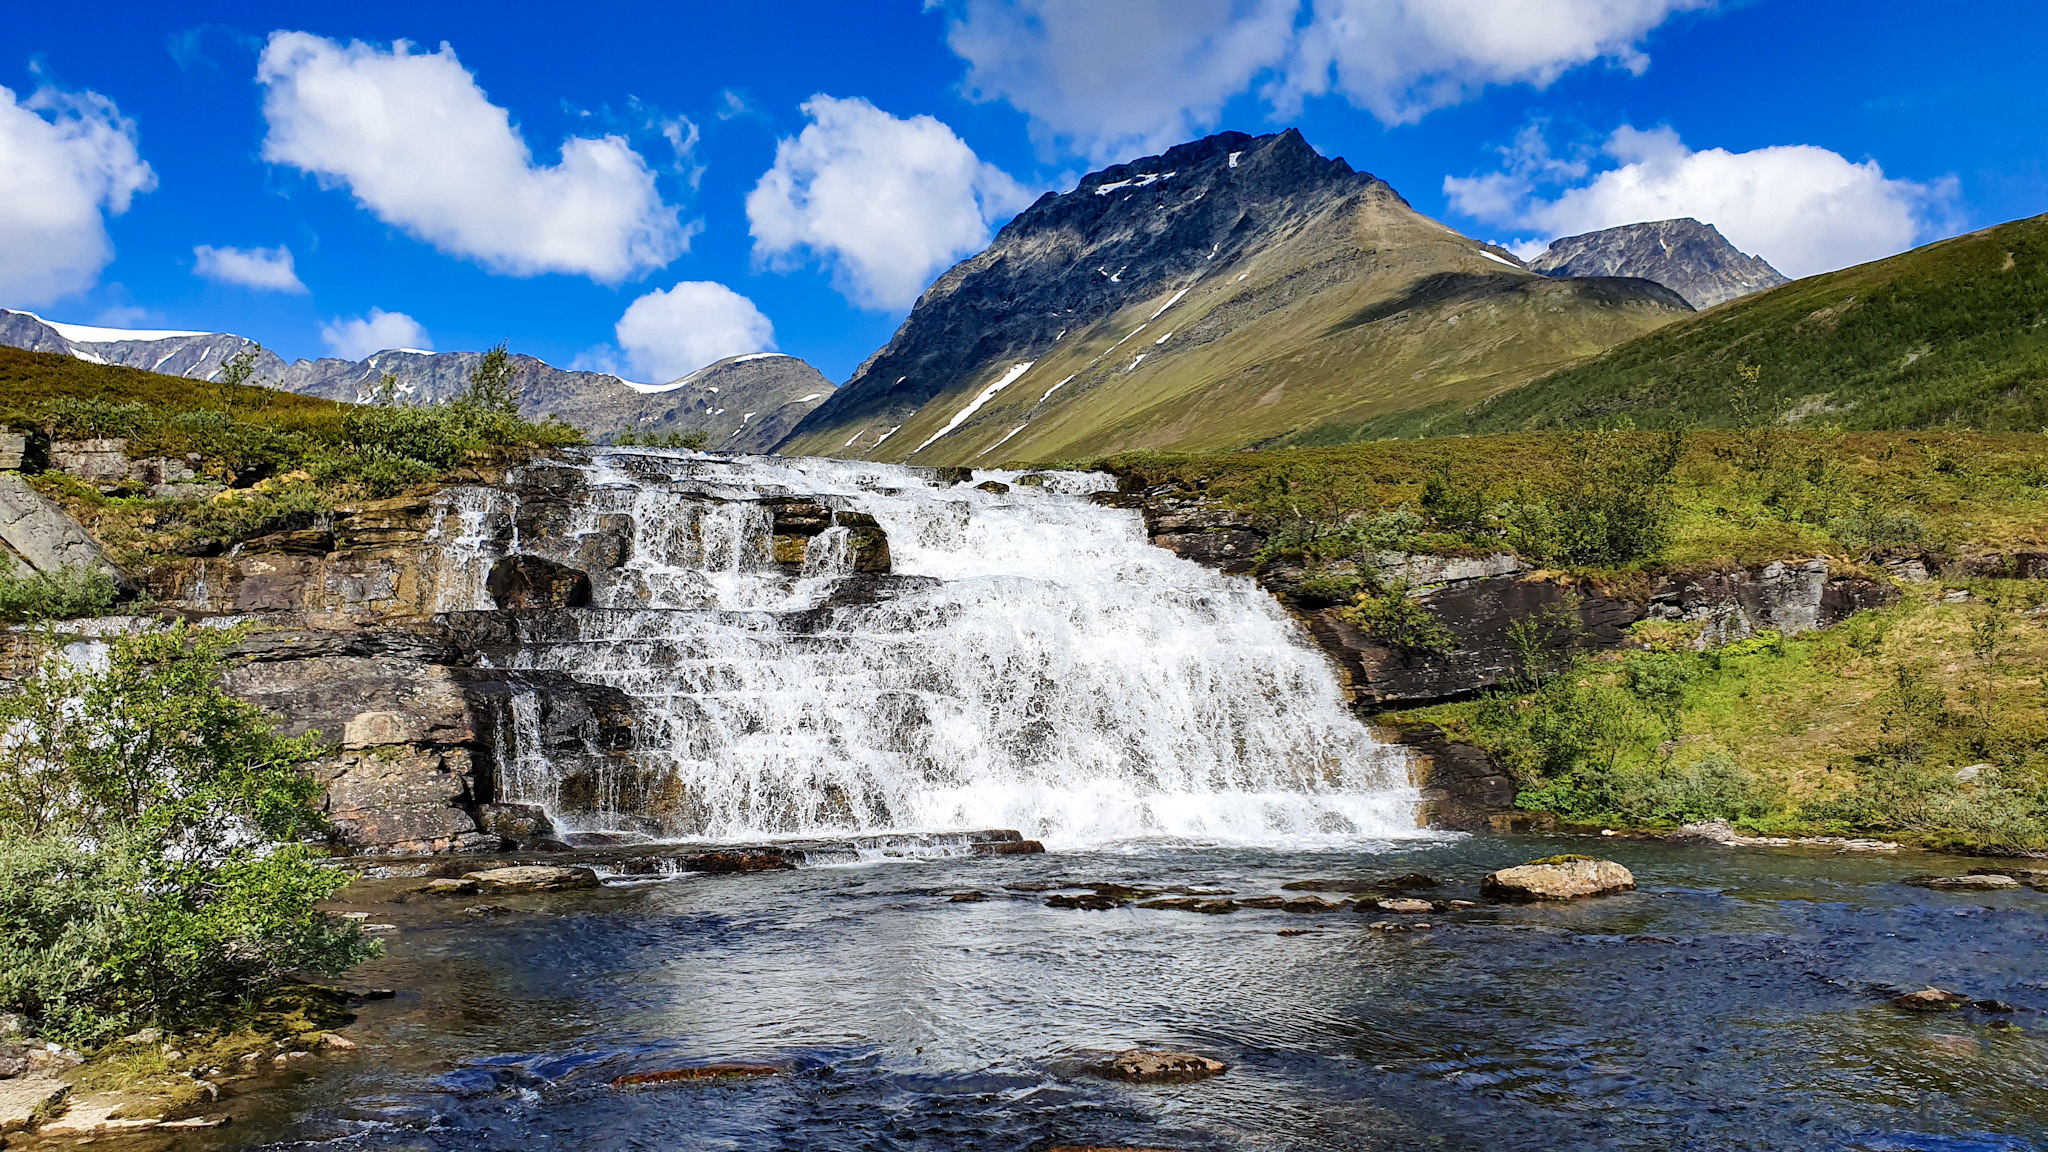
1367 310
1953 334
1233 291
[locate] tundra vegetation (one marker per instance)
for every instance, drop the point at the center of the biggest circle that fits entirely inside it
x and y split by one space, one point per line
1926 720
280 461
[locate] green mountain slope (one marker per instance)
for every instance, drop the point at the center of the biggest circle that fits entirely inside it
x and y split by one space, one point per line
1237 291
1952 334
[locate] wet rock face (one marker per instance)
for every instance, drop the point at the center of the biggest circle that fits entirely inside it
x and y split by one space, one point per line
534 582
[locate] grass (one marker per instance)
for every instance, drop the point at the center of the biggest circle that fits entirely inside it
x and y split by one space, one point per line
1954 334
1741 497
278 461
1902 722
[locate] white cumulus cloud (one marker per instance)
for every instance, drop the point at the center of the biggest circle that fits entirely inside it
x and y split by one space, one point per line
1401 59
1109 81
67 159
358 336
1803 208
884 202
673 332
417 142
265 269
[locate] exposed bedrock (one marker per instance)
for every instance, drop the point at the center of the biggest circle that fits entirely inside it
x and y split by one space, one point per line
1478 599
397 630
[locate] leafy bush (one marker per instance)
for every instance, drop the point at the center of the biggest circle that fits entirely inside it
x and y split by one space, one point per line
152 864
1402 623
66 594
1610 506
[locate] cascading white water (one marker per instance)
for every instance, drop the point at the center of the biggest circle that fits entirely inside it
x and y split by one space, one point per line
1032 663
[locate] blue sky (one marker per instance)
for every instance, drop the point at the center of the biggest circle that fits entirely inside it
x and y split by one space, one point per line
713 206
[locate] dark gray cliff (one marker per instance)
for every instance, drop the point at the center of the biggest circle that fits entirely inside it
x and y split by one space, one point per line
1684 255
1074 257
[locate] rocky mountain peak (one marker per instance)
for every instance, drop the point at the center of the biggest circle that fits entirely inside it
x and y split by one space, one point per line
1074 257
1690 258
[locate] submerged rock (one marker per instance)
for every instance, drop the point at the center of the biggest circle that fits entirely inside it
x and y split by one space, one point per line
1156 1066
1931 999
24 1099
1558 878
1973 883
534 878
726 1071
1404 905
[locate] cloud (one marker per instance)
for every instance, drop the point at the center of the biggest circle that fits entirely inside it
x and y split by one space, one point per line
1109 81
884 202
357 337
264 269
673 332
1802 208
1402 59
65 159
414 138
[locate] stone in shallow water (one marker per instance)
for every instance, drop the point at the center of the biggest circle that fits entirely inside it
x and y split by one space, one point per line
728 1071
1972 883
1155 1066
1404 905
1930 999
1557 878
534 878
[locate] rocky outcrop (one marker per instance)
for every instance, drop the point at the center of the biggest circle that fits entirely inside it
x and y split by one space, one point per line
42 535
1686 256
1479 598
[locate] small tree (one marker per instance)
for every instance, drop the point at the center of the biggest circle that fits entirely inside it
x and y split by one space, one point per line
490 384
235 373
153 863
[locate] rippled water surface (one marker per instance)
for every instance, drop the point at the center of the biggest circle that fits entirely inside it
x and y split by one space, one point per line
1736 1001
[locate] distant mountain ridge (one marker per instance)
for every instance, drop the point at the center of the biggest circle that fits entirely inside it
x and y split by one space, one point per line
1950 335
1230 292
745 403
1684 255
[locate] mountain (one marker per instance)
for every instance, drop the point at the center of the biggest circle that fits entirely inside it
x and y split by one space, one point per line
1233 291
1954 334
1684 255
746 403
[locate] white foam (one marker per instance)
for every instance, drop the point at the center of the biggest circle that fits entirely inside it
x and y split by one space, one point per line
1049 671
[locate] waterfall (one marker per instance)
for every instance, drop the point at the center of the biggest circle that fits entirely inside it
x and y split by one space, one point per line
1030 661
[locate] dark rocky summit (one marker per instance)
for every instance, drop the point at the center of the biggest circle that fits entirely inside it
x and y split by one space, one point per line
1684 255
745 403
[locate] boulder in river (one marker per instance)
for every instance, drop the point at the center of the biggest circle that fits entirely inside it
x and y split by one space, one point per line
1156 1066
1931 999
1971 883
1558 878
2031 877
534 878
724 1071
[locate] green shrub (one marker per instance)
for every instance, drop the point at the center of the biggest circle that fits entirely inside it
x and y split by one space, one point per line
1610 506
153 868
66 594
1400 622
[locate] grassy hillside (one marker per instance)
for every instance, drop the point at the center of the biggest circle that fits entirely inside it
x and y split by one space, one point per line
1952 334
1365 310
268 460
1927 720
1728 497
